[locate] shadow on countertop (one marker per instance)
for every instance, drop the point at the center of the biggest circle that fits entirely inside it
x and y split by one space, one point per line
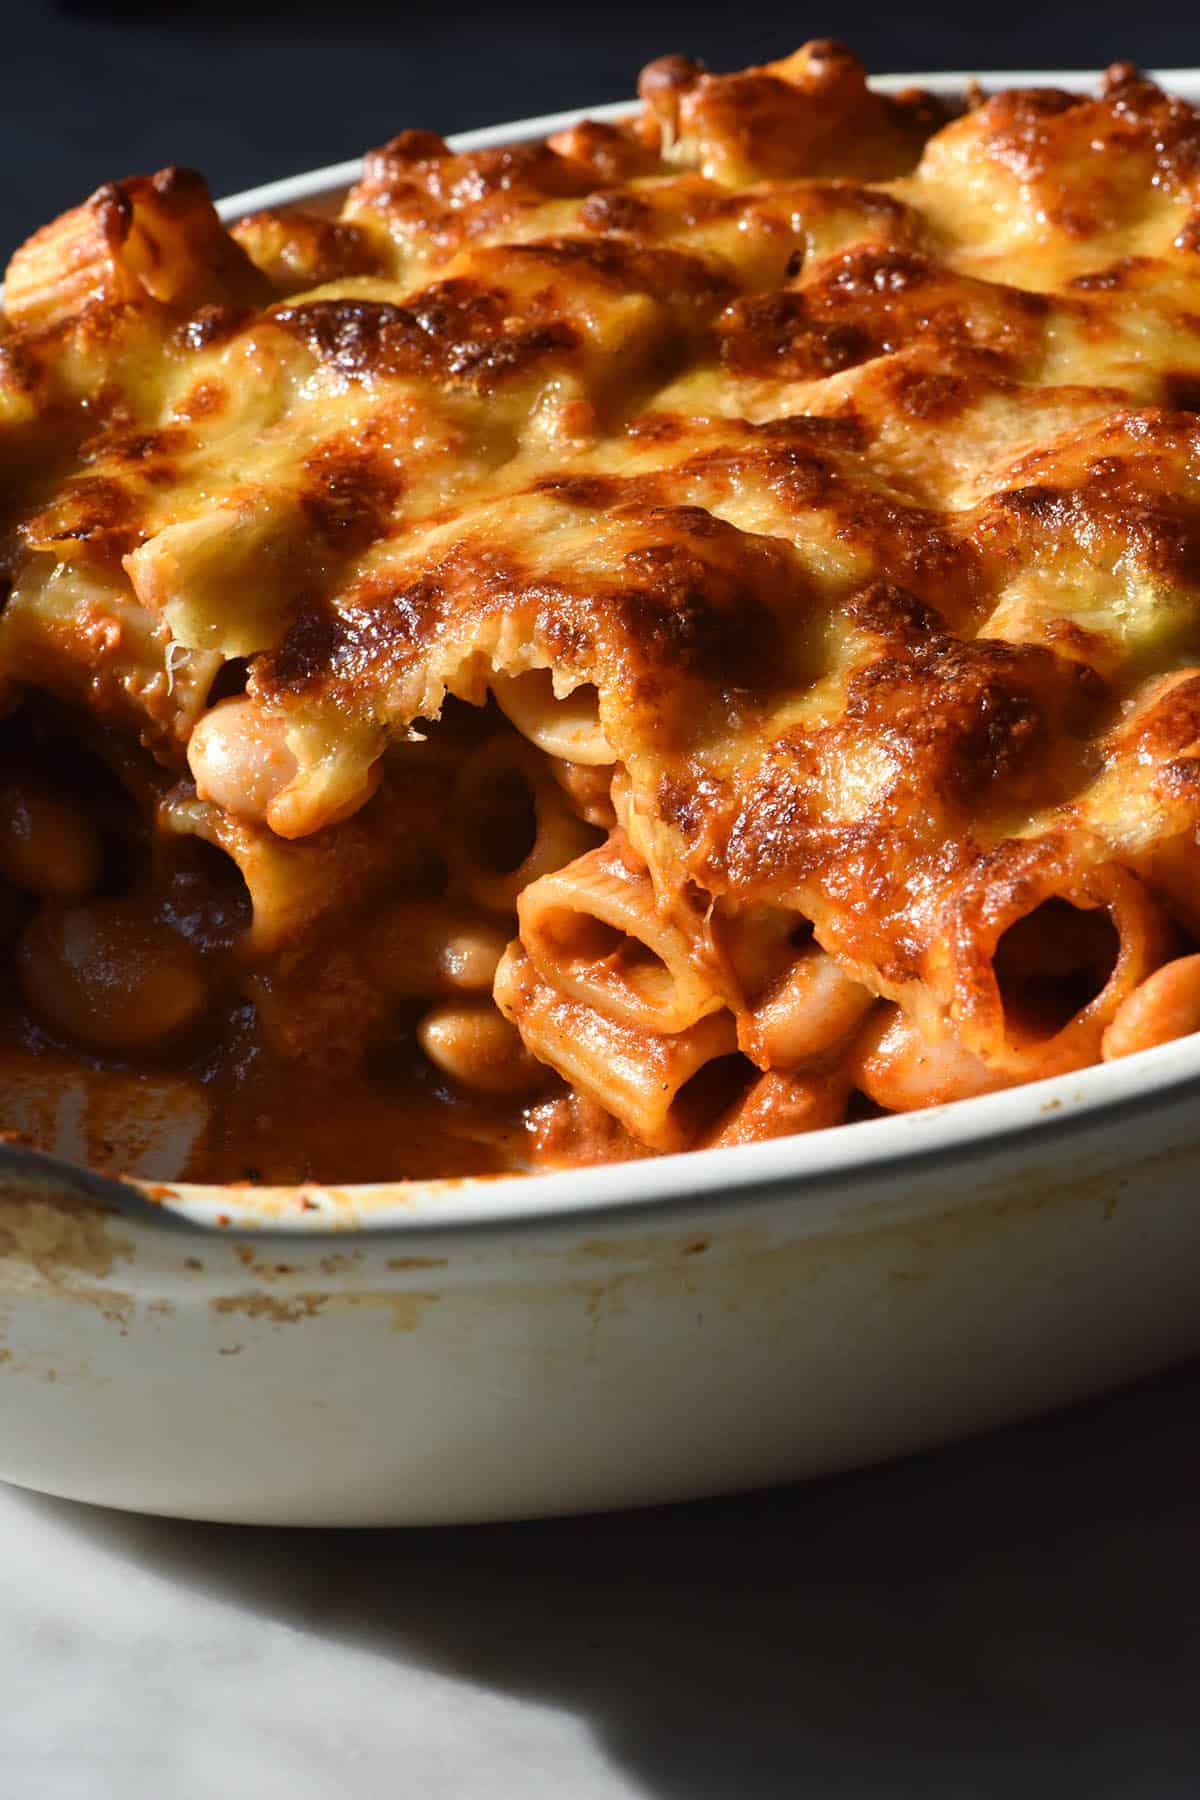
1017 1614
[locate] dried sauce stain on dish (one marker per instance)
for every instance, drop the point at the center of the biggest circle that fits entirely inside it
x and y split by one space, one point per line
724 651
64 1238
406 1311
272 1308
403 1310
265 1264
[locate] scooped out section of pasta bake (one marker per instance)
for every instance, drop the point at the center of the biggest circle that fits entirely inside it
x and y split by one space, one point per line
681 633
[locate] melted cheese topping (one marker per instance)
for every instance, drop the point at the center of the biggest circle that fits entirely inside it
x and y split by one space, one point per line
849 452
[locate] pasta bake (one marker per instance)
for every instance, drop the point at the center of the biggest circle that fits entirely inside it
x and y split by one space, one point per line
680 633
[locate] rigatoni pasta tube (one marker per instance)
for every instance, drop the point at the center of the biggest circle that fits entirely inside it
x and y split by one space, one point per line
1041 949
593 931
639 1076
778 1105
189 571
1146 799
513 823
811 1009
566 727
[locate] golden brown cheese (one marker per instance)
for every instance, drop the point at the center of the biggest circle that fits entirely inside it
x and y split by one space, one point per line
812 480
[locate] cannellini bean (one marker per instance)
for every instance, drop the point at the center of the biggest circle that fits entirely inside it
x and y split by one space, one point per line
47 845
107 976
417 949
1164 1006
469 956
239 758
901 1070
478 1048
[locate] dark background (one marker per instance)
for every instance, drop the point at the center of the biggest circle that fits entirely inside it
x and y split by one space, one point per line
93 91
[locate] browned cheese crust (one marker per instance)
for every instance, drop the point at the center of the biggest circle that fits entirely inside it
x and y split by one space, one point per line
848 448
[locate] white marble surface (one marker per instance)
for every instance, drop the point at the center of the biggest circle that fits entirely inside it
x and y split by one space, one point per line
1016 1616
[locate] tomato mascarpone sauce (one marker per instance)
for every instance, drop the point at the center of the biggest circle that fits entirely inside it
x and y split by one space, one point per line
681 633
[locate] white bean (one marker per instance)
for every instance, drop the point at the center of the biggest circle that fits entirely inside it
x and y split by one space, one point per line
239 758
478 1048
901 1070
1164 1006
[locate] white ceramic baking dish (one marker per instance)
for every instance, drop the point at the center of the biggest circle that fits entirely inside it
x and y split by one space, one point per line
485 1349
